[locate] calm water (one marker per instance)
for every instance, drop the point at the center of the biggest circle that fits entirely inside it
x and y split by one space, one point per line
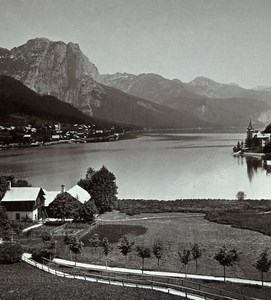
156 166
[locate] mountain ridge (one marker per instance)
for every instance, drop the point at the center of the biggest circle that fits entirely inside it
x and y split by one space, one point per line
148 100
62 70
224 104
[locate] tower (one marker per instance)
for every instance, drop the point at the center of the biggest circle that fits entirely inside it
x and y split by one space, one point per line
250 131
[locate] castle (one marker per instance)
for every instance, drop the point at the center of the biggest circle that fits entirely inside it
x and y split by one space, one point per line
256 138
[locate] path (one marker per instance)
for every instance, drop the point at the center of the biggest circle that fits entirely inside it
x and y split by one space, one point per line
26 257
144 218
156 273
32 227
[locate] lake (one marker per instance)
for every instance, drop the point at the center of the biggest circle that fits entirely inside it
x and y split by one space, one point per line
154 166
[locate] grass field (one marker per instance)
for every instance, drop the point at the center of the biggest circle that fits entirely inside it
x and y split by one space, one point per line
179 231
114 233
256 221
21 281
245 214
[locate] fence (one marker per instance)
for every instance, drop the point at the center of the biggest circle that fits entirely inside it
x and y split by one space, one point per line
162 284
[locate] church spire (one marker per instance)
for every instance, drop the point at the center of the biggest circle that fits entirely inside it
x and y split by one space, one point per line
250 127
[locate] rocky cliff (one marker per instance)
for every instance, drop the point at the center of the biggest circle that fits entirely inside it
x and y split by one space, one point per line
63 71
56 69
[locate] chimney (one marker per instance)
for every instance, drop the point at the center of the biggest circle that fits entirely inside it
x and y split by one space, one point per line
9 185
62 188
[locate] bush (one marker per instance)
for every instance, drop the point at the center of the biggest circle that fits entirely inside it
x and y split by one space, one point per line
39 254
10 253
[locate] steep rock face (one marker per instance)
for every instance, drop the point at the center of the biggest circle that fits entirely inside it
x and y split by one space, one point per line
63 71
56 69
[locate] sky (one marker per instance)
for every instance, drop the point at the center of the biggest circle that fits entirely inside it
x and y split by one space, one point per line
225 40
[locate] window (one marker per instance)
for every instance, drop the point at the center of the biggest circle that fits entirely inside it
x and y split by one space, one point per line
18 216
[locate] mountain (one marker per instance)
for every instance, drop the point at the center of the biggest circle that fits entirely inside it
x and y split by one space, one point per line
54 68
63 71
225 104
149 86
19 102
209 88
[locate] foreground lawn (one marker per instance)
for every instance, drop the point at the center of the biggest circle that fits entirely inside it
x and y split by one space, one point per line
21 281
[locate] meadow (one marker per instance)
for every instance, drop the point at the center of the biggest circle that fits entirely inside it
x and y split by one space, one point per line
21 281
179 231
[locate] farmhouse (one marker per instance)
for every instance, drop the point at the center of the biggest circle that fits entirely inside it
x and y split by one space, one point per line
31 202
24 202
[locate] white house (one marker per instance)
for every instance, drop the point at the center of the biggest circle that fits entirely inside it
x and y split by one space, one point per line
24 202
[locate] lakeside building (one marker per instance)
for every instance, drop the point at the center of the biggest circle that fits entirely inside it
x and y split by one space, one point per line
31 202
256 138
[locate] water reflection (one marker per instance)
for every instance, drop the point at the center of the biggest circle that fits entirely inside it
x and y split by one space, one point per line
252 166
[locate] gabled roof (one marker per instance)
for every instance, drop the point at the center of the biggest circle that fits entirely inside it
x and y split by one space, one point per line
22 194
50 196
79 193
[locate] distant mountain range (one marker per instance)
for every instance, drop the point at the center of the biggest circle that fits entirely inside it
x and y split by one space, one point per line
224 104
147 100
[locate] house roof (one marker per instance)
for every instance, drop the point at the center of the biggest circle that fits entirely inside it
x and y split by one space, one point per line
79 193
50 196
22 194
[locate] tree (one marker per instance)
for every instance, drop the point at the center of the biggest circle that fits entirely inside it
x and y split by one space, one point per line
86 182
185 258
76 247
68 240
10 178
95 241
196 253
42 253
7 227
241 195
10 253
3 186
21 183
46 237
157 250
125 246
106 248
64 206
86 212
226 258
263 263
102 187
143 252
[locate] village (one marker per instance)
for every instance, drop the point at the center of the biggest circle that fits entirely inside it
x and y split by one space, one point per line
24 136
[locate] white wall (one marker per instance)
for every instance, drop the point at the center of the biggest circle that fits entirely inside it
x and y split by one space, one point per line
12 214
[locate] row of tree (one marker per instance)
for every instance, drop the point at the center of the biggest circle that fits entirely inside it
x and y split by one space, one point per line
226 257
